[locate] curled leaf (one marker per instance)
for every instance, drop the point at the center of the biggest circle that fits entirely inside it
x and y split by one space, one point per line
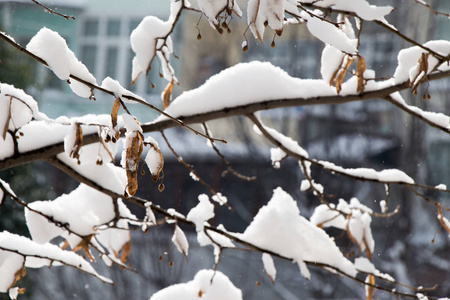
167 94
269 266
154 158
84 245
130 159
421 72
126 251
360 69
180 241
370 290
342 72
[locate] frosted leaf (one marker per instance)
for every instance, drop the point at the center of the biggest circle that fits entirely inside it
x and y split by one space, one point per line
261 11
328 33
331 61
17 108
408 60
10 263
131 123
8 189
207 284
323 217
201 213
280 228
52 48
269 266
180 241
154 158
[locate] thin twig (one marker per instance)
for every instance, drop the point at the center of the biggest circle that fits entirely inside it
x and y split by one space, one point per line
192 170
225 161
51 11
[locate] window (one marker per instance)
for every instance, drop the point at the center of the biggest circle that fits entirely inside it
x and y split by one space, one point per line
88 57
111 62
113 27
91 27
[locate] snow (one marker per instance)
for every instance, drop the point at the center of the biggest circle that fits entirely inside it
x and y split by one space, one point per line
269 266
243 84
17 108
362 264
150 38
408 60
8 189
441 186
37 255
10 263
180 241
82 210
277 155
219 198
388 175
114 86
325 217
280 228
438 119
259 12
330 34
330 62
201 213
360 7
52 48
206 285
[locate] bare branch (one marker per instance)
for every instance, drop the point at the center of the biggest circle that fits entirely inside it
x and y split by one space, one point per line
51 11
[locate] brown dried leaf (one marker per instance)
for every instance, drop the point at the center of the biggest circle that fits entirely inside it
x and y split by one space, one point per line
370 289
167 94
84 245
133 154
342 73
423 70
442 218
360 69
75 152
114 112
20 273
253 21
126 251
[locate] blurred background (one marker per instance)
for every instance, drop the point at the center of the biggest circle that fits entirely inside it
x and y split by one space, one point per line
371 134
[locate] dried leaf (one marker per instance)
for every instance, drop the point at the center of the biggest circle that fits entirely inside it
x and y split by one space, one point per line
84 245
342 73
126 251
114 112
20 273
269 266
6 126
421 74
75 152
154 160
180 241
360 69
370 290
132 156
444 222
253 21
167 94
